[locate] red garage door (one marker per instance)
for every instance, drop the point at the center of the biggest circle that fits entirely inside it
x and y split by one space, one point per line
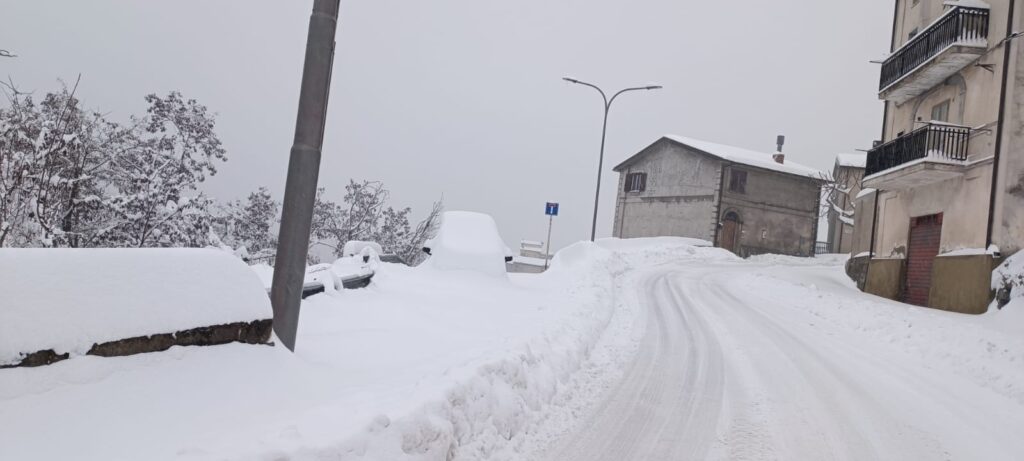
925 232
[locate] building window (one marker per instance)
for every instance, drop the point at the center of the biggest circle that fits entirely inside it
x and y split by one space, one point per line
636 182
738 181
912 34
940 112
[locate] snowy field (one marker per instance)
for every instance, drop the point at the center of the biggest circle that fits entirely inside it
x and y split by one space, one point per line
769 358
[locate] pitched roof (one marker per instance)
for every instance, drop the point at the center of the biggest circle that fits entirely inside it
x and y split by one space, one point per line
852 160
738 155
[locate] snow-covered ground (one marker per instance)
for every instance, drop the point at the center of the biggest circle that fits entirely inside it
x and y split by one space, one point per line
782 358
770 358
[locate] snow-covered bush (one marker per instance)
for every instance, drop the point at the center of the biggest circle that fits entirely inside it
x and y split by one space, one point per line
1008 279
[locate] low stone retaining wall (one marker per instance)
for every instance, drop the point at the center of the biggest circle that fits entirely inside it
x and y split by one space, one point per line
256 332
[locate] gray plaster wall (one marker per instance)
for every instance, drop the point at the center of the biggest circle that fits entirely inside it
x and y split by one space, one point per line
680 198
1008 231
779 212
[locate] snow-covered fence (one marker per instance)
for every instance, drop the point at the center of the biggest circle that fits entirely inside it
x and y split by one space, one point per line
58 303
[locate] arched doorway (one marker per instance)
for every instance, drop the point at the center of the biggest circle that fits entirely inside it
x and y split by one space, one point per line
730 231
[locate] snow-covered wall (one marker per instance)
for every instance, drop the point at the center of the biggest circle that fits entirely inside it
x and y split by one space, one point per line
70 299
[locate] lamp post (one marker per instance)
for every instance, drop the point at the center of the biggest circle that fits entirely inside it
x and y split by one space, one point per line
604 130
303 171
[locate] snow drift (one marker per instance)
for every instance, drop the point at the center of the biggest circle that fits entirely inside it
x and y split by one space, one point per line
70 299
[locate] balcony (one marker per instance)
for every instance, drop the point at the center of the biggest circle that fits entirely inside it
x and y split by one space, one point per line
929 154
951 43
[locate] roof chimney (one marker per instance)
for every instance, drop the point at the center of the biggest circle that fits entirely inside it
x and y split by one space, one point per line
779 157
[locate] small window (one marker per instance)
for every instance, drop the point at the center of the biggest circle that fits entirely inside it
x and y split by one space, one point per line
738 181
636 182
940 112
912 34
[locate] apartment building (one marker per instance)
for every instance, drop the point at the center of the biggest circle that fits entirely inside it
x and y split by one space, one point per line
943 195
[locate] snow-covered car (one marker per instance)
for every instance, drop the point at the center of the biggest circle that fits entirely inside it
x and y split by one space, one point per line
468 241
348 273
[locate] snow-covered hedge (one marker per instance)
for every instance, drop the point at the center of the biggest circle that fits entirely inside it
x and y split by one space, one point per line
70 299
1008 279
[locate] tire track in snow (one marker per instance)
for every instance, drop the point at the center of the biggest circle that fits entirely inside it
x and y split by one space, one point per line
724 376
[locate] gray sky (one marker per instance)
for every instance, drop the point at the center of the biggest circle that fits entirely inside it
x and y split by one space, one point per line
464 97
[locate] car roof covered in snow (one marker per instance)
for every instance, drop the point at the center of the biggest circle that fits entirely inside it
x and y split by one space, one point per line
735 155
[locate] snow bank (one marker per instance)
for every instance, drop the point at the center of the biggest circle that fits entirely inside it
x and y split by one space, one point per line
831 259
467 241
70 299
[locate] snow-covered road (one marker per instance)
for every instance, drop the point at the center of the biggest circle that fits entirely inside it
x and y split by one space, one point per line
747 361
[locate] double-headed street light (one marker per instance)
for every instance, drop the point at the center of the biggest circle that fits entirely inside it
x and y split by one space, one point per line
604 130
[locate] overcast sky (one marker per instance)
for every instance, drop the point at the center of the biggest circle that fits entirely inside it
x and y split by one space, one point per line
464 98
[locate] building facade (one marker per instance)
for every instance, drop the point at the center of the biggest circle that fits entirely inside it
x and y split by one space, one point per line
845 186
946 182
744 201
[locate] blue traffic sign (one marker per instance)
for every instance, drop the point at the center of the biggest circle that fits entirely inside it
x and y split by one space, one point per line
551 209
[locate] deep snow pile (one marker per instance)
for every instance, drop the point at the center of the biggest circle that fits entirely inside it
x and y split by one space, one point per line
70 299
424 364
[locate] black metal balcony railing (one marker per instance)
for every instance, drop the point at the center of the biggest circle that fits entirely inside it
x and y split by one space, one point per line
936 141
962 25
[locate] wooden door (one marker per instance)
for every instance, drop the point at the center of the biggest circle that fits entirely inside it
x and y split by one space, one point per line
922 248
730 231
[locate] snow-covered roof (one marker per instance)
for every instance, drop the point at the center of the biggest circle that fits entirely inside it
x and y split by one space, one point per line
741 156
852 160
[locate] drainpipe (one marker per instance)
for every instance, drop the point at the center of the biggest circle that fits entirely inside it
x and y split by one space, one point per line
718 215
999 127
874 226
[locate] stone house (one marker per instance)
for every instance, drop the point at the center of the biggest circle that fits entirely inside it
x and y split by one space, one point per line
946 182
745 201
846 178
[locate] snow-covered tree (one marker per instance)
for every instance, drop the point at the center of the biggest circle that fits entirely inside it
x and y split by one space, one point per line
155 176
253 223
53 157
365 215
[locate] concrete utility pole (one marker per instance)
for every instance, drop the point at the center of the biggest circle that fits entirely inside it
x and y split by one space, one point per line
604 130
303 171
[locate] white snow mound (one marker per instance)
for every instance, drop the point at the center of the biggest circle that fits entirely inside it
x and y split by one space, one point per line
69 299
467 241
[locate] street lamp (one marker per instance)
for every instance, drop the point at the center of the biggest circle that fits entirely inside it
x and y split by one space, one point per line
604 130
